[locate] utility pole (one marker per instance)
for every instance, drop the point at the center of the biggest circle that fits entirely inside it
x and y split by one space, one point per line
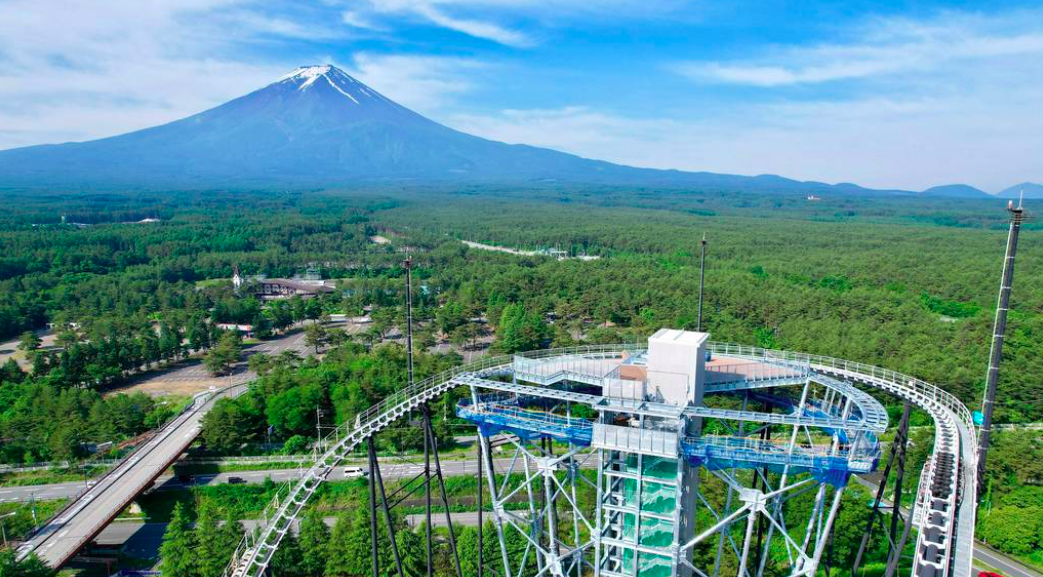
409 316
702 274
1017 214
318 427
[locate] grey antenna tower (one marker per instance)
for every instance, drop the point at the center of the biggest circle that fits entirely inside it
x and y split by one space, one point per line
702 274
1017 215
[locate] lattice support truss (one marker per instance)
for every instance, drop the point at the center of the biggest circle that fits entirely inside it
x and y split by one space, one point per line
535 497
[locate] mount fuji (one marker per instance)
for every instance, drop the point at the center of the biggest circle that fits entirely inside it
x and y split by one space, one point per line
318 126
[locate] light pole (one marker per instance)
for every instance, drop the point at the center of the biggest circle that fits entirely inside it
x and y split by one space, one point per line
408 264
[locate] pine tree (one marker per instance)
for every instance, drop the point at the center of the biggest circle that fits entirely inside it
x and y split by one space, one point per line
287 560
519 330
315 335
210 557
32 566
178 549
347 549
29 342
314 542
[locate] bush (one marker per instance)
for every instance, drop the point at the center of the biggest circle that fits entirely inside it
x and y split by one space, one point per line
295 445
1013 530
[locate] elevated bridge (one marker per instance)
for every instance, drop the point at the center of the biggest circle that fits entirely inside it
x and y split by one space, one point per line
57 541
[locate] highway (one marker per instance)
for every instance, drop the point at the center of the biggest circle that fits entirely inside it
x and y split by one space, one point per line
390 468
142 540
89 513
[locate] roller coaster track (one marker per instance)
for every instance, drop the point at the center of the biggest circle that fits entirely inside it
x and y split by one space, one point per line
944 546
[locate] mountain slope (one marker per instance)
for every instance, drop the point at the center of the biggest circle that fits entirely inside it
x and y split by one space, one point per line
1031 190
315 124
318 126
955 191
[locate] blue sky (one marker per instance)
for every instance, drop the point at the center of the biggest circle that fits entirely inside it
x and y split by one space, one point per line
885 94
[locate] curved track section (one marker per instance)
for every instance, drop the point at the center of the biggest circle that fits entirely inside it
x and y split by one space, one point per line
944 546
945 517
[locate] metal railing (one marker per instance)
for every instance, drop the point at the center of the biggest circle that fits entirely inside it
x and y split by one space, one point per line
533 422
954 432
753 372
289 502
897 381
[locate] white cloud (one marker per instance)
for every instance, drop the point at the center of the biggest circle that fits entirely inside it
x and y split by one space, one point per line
512 22
76 71
884 47
423 83
358 19
441 13
476 28
880 142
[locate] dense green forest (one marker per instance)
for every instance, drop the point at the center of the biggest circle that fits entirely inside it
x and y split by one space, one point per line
862 279
907 284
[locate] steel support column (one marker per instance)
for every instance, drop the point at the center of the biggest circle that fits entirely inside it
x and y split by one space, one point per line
432 441
898 447
375 474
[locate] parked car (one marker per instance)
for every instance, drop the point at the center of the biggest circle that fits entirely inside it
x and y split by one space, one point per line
236 480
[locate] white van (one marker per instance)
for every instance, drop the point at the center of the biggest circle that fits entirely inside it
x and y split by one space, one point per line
354 472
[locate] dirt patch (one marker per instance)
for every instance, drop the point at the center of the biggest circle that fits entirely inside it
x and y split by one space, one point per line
161 388
9 350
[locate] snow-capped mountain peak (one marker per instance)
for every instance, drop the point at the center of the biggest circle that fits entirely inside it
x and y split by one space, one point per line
306 77
307 73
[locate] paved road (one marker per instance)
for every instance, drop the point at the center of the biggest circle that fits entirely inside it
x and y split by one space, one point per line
982 552
85 517
390 468
1004 564
190 377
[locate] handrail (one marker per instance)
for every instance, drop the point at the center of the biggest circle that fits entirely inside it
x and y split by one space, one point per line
900 380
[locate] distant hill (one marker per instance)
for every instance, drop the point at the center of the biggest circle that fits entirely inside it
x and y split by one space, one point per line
318 126
955 191
1031 190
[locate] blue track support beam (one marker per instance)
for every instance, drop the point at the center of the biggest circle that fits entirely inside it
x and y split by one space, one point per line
495 418
719 454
